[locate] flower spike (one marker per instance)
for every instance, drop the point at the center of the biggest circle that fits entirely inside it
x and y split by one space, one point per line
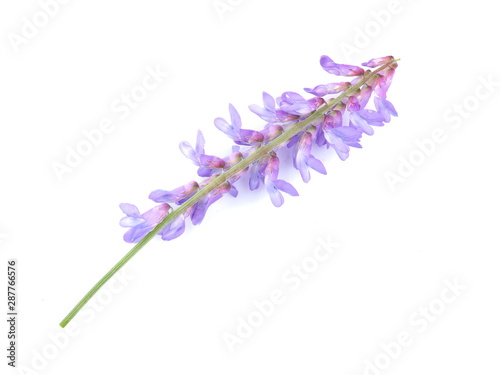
336 116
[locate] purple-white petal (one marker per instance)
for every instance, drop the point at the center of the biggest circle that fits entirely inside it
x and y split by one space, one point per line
210 161
284 116
274 193
373 63
205 172
256 176
353 104
315 103
385 83
269 102
130 210
329 88
364 96
248 137
189 152
286 187
156 214
293 103
233 191
348 134
293 141
262 112
371 116
385 108
334 140
301 165
316 164
226 128
164 196
135 234
130 221
342 155
173 229
340 69
305 144
268 113
199 211
235 118
320 90
200 208
361 123
200 143
272 168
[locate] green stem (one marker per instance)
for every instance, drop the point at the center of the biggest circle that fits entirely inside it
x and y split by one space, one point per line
218 181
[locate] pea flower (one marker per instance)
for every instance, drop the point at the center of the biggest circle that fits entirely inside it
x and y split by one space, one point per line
140 225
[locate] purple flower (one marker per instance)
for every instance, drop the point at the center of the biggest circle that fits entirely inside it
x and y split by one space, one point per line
268 113
293 103
339 69
231 161
274 186
173 229
179 195
140 225
272 132
365 119
340 137
364 96
330 88
303 158
200 208
384 83
285 117
373 63
257 173
194 154
352 104
233 130
207 164
385 108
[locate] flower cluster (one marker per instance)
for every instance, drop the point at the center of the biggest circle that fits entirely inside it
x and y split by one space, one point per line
340 127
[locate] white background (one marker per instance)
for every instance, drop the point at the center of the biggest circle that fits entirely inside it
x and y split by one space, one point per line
397 247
